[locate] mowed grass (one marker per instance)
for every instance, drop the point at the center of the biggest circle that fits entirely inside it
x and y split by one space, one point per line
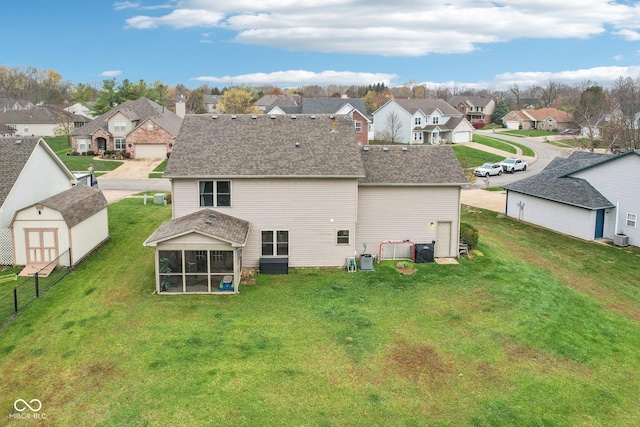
470 157
536 329
61 146
494 143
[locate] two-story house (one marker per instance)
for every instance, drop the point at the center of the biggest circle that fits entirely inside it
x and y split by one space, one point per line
142 129
421 121
249 191
475 108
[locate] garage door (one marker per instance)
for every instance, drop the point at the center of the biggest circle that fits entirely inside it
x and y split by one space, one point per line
512 124
151 151
462 137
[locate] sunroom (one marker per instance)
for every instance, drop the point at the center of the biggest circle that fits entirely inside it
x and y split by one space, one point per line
200 253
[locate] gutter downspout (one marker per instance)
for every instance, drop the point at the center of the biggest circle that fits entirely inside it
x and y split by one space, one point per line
617 217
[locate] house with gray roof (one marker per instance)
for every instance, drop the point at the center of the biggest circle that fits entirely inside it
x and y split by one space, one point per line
274 191
31 171
586 195
43 120
421 121
141 129
475 108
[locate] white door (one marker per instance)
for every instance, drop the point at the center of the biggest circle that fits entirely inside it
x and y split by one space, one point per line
443 240
42 245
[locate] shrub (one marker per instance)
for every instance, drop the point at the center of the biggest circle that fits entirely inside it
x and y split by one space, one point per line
477 125
468 234
91 153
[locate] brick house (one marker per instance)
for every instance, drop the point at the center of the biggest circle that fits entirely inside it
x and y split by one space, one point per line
140 128
475 108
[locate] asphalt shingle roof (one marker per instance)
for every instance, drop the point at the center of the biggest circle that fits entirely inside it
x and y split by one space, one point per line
206 221
414 164
45 114
76 204
428 106
265 146
331 105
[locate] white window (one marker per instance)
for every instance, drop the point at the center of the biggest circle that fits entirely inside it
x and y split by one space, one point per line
26 128
358 126
417 121
435 120
119 143
631 220
149 125
120 126
417 136
342 237
84 144
215 193
275 242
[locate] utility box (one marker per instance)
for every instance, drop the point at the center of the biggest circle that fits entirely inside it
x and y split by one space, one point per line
620 239
158 199
274 265
366 262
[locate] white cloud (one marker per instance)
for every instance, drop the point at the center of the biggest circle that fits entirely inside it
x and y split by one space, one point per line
111 73
618 57
399 28
294 78
121 5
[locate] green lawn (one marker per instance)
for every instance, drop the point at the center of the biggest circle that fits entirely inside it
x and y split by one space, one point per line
158 172
528 132
79 163
537 329
470 157
494 143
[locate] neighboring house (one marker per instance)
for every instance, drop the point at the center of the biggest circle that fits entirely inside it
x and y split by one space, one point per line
31 171
267 102
6 131
140 128
81 110
12 104
421 121
587 195
274 191
211 103
75 220
354 107
40 121
542 119
475 108
594 126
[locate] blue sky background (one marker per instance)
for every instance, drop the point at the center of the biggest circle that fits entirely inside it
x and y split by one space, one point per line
286 43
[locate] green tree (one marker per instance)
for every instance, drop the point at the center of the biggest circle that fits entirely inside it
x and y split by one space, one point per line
107 97
82 93
502 109
195 101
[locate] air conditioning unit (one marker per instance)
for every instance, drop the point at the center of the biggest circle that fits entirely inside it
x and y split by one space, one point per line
621 240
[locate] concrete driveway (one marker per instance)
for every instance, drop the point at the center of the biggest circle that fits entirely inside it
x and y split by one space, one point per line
130 178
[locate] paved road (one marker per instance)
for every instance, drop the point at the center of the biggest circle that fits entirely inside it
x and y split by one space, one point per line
544 154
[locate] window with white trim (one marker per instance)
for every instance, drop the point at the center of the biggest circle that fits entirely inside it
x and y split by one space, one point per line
119 126
26 128
215 193
417 121
358 126
632 220
275 242
149 125
435 120
417 136
119 143
342 237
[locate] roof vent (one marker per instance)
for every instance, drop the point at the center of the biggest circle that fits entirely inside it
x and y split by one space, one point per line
234 117
385 149
365 148
405 149
18 141
312 117
214 117
297 145
273 117
293 117
207 222
254 117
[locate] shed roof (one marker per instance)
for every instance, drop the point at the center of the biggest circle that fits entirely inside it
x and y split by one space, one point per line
76 204
207 222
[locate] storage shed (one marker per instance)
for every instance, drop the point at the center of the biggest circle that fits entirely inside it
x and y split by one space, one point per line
74 220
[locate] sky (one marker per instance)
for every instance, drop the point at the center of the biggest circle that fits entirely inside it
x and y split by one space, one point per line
291 43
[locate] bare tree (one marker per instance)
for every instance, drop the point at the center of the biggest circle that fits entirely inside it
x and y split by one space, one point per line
626 92
515 91
394 126
591 112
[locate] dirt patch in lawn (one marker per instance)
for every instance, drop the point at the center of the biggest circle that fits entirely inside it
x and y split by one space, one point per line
419 362
406 270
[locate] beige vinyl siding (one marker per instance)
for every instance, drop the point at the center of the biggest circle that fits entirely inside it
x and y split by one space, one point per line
310 209
380 219
29 218
571 220
88 234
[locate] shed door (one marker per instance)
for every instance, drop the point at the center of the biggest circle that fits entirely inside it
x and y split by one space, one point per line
443 242
42 245
599 224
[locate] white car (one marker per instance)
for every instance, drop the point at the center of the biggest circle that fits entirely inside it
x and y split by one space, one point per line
513 164
488 169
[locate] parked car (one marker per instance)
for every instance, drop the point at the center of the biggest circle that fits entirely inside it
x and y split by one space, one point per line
513 164
488 169
569 132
